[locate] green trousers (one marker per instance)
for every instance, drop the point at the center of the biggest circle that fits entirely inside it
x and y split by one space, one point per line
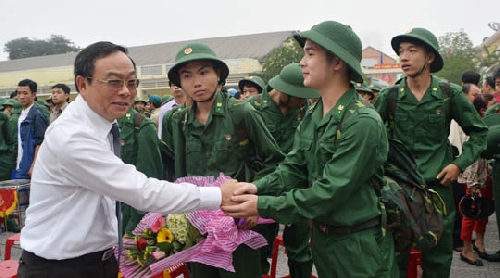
357 255
436 262
246 262
296 239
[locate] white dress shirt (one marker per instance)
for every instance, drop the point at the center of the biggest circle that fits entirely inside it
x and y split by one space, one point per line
76 180
22 117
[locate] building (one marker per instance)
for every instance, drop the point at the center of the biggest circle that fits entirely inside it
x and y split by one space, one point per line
244 56
380 67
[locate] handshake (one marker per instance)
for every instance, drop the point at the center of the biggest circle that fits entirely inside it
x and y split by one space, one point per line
239 199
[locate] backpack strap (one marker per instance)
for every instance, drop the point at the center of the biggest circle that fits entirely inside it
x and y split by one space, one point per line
392 102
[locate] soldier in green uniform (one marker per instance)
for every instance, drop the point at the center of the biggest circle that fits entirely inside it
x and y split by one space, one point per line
7 162
364 90
495 175
424 107
7 140
139 140
342 169
219 134
252 86
283 107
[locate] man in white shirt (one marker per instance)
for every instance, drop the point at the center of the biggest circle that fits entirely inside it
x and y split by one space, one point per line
71 226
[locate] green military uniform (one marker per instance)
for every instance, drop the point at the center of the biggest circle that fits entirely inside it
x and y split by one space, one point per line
423 127
214 148
338 172
6 142
343 172
283 127
495 174
139 140
166 143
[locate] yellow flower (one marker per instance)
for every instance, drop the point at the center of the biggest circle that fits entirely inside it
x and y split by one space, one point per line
164 235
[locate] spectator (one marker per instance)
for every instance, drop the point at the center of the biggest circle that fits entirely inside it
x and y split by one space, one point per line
31 128
60 97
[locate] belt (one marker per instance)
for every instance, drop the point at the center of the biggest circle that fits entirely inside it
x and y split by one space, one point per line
89 258
343 230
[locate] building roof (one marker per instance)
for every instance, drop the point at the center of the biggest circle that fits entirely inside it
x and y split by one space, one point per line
254 46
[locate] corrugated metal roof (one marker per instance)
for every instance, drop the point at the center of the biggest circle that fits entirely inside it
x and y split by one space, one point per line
255 46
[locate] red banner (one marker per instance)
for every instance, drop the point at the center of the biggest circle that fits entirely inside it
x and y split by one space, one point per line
8 201
387 66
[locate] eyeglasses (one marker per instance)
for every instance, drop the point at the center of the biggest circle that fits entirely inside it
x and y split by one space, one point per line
117 84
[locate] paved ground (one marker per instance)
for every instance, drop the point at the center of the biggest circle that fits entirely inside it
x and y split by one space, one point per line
459 269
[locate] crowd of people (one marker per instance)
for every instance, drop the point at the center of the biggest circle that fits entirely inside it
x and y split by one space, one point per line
281 142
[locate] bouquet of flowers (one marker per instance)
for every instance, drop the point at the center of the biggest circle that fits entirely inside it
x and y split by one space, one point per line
160 242
155 237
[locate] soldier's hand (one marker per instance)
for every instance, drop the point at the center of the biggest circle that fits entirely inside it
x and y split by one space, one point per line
246 207
246 188
227 189
449 174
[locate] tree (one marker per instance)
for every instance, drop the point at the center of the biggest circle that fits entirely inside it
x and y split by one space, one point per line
458 54
24 47
290 52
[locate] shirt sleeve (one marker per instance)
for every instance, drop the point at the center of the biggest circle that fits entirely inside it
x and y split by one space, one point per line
88 162
468 118
41 125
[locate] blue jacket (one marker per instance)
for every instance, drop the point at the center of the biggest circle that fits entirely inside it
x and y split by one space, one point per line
32 132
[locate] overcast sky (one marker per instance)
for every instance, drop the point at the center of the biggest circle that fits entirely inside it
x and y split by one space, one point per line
133 23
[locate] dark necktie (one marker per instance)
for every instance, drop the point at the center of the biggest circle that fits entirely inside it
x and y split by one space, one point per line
115 132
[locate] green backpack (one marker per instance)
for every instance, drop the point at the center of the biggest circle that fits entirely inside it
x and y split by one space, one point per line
412 211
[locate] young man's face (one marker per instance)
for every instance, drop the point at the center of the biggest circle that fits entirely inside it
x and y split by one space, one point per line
248 91
413 58
315 69
58 96
139 106
110 99
473 93
199 80
25 96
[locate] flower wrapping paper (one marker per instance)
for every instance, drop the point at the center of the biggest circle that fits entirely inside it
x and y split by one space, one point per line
223 235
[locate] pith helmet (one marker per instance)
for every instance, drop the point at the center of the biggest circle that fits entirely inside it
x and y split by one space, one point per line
425 36
17 108
195 52
291 82
363 87
253 80
338 39
166 98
